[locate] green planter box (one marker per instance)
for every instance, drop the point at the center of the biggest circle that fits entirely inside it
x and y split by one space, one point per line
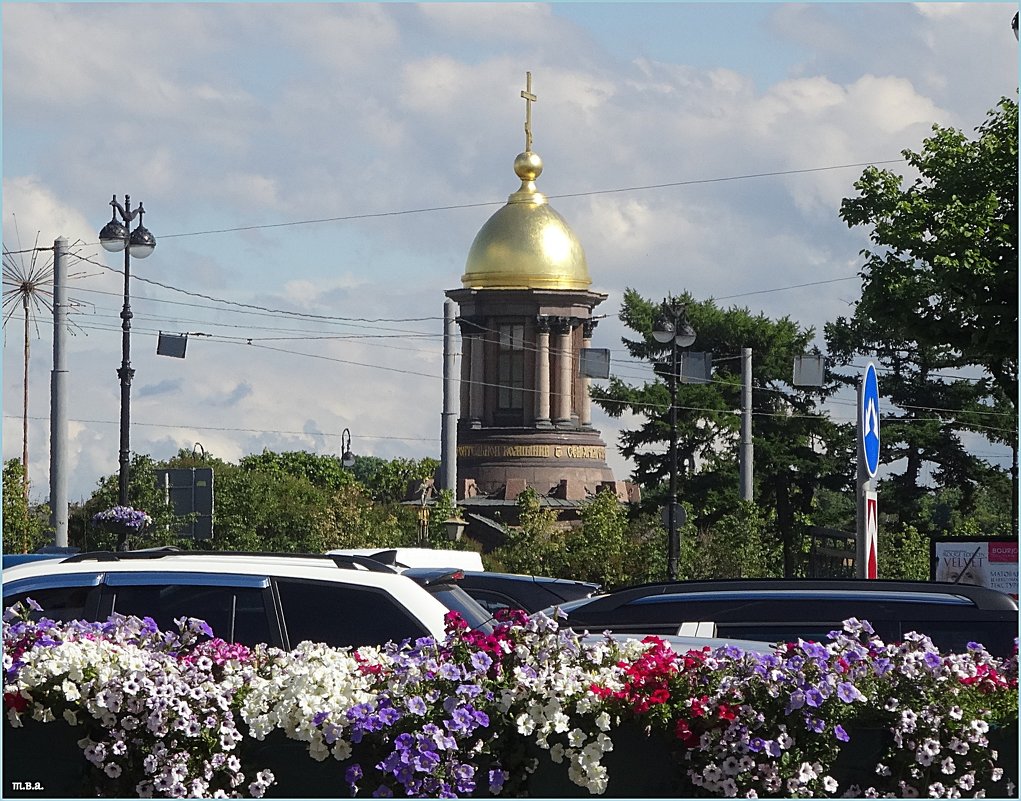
639 766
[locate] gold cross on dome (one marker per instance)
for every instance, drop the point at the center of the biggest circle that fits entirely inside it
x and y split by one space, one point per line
529 99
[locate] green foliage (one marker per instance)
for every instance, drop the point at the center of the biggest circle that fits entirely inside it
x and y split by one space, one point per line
798 450
24 528
939 297
387 481
944 271
325 472
743 543
903 554
537 546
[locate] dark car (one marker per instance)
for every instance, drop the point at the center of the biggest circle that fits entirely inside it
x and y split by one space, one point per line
496 591
776 610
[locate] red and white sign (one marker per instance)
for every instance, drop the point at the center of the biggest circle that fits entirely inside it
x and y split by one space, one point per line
871 535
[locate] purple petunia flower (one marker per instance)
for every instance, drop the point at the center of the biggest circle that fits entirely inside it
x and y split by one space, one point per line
416 705
932 660
847 692
481 661
496 780
841 734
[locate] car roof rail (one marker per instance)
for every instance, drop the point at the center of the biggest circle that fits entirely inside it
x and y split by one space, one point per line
982 597
341 561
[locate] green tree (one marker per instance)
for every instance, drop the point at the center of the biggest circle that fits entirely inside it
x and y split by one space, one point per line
388 480
940 293
741 544
24 528
323 471
538 545
798 450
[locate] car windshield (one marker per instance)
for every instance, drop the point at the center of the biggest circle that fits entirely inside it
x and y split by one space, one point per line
457 600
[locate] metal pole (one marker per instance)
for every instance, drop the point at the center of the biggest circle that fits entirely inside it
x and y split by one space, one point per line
58 398
125 372
448 441
673 543
747 453
862 484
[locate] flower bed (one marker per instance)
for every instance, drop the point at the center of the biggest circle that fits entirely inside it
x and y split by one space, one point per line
527 710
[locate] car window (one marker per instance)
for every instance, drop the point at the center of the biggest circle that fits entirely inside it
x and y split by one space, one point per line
491 601
235 614
58 603
457 599
343 615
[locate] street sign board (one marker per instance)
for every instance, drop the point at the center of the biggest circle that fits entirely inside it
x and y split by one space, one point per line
869 419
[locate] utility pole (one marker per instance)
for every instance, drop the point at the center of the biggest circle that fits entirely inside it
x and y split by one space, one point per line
58 398
448 434
747 452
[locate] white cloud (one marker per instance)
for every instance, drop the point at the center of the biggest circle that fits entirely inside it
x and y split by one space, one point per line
222 116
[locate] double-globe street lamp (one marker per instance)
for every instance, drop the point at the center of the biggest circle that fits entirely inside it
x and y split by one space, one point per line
139 243
672 327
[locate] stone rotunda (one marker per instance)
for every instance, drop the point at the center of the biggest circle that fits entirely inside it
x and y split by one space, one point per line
525 314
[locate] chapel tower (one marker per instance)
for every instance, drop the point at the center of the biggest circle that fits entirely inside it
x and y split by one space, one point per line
525 314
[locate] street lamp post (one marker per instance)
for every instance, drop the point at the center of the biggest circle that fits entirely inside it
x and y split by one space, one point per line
672 327
347 459
139 243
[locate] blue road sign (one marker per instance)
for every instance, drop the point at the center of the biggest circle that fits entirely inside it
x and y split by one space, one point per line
868 423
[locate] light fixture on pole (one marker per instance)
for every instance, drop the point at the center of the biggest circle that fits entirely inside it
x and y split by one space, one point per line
347 459
139 243
454 528
672 327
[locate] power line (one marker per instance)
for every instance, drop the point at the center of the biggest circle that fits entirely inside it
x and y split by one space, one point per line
461 206
239 430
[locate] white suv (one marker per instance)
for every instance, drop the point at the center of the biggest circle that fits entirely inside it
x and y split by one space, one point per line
279 599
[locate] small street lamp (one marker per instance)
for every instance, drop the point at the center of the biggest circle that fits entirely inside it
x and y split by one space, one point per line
347 459
672 327
139 243
454 528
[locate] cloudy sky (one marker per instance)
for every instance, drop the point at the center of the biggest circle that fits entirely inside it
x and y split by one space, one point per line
315 174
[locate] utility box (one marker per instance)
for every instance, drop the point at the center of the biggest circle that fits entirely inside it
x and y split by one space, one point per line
594 362
809 370
189 491
695 368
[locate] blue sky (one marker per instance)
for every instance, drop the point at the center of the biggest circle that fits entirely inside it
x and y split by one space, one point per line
395 126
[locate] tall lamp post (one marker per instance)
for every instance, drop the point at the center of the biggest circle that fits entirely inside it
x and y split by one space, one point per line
347 459
139 243
672 327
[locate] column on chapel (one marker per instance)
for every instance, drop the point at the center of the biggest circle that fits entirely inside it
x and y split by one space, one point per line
542 368
585 402
473 352
562 329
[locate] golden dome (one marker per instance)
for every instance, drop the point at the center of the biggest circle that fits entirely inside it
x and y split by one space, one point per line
526 244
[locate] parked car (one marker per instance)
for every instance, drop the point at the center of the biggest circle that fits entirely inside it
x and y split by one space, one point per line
496 591
45 552
776 610
279 599
418 557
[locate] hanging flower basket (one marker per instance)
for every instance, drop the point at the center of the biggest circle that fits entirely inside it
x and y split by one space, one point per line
122 521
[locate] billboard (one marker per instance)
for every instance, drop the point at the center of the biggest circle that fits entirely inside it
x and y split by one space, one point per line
985 561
